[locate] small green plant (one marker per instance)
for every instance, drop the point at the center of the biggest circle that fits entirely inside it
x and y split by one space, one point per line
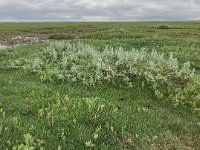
29 143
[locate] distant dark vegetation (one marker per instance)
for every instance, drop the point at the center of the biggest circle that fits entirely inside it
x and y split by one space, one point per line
164 26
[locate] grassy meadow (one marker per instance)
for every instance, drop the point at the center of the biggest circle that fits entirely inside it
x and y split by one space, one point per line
41 110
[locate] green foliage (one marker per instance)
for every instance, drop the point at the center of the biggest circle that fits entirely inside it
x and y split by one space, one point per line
163 26
67 114
81 62
86 123
189 96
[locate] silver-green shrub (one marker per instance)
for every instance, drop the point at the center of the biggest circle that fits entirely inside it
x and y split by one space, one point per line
163 26
81 62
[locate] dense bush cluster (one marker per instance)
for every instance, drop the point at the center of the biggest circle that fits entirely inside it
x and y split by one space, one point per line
165 76
163 26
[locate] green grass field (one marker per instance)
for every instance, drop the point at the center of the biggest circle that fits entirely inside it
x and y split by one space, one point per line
72 115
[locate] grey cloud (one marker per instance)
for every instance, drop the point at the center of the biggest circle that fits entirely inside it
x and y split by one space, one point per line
96 10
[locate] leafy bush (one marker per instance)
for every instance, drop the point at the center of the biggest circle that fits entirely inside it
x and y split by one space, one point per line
163 26
165 76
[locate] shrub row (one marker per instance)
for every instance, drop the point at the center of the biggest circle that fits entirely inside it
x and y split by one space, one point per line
163 26
165 76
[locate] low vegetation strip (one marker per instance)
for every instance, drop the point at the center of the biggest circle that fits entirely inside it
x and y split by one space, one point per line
76 61
163 26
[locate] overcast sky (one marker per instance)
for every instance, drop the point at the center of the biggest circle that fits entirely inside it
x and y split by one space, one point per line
99 10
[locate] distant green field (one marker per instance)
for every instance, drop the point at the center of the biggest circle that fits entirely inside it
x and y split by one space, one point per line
72 115
183 41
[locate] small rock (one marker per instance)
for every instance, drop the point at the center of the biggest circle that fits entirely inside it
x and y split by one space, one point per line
3 46
26 111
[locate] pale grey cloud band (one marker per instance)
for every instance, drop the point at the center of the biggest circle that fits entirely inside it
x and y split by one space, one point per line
99 10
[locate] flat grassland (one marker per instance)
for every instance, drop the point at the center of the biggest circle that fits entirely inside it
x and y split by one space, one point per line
72 115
